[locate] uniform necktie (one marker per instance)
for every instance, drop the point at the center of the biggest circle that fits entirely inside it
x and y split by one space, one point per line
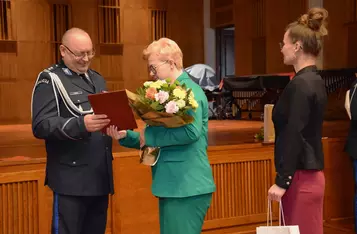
88 81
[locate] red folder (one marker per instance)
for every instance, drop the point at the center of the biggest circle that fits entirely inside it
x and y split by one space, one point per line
115 105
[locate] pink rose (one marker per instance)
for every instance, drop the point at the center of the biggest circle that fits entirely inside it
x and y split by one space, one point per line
171 107
162 96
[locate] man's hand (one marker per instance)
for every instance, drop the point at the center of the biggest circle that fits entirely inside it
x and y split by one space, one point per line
275 193
95 123
115 134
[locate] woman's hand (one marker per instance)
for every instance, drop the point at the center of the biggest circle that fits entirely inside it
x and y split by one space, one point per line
114 133
275 193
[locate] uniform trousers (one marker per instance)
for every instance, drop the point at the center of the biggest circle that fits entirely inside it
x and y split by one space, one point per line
183 215
79 214
303 201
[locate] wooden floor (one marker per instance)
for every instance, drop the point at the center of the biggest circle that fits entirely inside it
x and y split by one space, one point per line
17 140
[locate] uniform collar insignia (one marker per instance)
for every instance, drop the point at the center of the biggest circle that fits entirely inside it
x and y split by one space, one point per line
67 71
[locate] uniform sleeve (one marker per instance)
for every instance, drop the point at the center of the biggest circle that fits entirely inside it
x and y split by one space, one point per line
132 140
290 139
161 136
46 124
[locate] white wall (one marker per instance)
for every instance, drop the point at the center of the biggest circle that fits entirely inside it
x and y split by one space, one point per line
209 37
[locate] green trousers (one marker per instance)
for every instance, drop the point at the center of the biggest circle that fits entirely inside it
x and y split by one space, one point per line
183 215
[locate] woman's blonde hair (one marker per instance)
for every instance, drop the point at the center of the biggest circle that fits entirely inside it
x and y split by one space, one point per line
309 29
166 49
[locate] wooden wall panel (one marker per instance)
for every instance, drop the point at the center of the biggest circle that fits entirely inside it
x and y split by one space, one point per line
222 13
290 10
339 177
157 4
8 67
135 39
137 4
185 22
30 24
26 51
85 16
276 23
243 19
335 45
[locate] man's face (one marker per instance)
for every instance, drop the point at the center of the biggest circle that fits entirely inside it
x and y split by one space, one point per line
77 52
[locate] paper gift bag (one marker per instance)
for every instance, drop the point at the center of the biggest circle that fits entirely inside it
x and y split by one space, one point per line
278 230
270 229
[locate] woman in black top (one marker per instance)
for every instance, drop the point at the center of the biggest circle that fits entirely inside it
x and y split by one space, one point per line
298 119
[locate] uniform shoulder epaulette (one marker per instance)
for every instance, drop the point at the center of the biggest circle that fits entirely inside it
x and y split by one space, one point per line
51 68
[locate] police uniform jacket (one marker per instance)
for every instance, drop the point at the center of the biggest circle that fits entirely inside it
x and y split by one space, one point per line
79 163
298 118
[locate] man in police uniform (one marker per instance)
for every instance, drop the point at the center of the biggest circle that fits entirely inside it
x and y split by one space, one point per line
79 156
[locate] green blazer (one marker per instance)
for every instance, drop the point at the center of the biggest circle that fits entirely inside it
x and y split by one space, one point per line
183 168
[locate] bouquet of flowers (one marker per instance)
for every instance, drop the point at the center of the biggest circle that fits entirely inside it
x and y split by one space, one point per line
162 103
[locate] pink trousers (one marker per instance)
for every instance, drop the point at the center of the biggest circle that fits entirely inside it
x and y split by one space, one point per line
303 201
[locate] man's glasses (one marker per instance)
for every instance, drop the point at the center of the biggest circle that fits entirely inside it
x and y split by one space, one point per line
90 55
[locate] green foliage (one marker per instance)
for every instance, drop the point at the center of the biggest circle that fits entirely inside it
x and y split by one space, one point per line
260 134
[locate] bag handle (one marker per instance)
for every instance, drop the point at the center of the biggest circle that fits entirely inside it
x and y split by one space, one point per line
281 213
270 214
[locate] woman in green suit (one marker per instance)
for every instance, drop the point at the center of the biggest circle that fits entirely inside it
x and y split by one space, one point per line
182 177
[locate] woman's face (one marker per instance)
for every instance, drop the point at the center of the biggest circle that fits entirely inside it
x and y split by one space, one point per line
158 68
289 49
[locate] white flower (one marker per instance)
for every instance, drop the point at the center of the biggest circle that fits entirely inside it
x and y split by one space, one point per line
148 83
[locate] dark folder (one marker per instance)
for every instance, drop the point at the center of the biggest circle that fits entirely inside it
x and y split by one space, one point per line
115 105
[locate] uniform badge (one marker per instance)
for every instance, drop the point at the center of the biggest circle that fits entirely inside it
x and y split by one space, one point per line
43 81
75 93
67 71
